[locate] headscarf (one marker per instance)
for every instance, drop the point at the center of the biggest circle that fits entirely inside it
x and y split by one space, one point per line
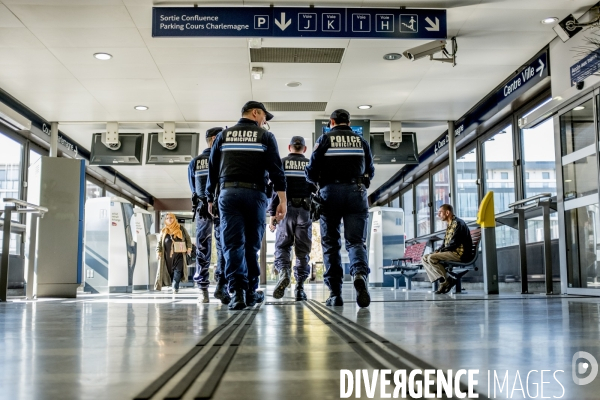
174 229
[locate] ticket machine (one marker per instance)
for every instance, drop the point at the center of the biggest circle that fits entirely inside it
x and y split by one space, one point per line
385 241
110 248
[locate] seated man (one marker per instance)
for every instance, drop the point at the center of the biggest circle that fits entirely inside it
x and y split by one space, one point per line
457 246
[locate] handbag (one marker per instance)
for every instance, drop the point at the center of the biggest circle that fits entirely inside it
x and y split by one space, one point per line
179 247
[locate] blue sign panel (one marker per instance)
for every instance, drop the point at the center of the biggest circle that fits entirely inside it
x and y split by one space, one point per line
585 67
373 23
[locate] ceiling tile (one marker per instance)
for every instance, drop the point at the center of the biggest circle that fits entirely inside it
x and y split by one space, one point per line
200 55
96 38
85 55
73 16
19 38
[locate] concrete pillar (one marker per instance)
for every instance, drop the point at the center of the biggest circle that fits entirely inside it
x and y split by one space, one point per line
54 139
452 165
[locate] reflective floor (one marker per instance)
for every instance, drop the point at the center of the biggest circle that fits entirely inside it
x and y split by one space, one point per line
113 347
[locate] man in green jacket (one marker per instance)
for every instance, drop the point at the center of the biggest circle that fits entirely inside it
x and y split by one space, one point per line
457 246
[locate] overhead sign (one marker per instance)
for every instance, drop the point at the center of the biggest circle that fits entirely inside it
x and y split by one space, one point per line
585 67
374 23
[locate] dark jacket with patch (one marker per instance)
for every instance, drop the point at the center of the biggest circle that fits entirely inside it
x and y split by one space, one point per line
198 173
245 153
340 155
297 185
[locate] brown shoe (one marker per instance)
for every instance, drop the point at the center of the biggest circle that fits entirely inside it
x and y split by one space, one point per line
446 286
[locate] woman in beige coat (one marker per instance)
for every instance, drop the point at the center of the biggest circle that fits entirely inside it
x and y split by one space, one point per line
172 264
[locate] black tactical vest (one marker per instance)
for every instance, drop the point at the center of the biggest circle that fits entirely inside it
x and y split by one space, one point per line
345 157
297 185
201 173
243 154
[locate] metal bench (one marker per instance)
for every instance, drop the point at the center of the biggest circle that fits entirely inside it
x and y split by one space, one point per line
408 266
457 269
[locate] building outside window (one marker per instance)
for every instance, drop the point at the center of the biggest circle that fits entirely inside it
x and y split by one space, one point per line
467 203
10 180
423 209
408 207
441 193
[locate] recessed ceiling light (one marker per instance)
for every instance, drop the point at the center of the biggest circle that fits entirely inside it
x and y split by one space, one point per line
392 56
364 107
293 84
141 108
578 108
549 20
103 56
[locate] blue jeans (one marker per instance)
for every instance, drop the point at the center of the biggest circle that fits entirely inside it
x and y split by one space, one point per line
345 203
242 229
203 251
295 230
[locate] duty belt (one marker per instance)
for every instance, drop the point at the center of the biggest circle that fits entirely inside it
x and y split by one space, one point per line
245 185
358 181
299 202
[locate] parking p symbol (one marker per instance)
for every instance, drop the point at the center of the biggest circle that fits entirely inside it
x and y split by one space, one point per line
261 22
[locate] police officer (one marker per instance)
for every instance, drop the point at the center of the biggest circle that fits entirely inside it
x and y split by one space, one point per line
342 166
242 160
296 227
197 175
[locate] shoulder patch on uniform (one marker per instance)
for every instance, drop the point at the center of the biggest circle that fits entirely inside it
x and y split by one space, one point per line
316 145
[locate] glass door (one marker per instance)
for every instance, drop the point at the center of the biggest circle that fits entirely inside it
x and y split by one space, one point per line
579 161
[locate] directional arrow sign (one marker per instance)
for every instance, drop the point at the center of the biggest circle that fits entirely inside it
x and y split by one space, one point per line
540 69
353 23
433 27
283 24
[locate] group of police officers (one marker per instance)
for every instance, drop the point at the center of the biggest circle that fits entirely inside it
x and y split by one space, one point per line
240 172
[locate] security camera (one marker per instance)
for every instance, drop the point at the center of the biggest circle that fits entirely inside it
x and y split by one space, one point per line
167 137
427 49
110 138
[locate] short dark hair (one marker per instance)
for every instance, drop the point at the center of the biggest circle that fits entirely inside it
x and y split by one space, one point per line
298 146
448 207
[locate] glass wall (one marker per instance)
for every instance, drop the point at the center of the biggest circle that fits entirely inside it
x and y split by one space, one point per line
441 193
467 202
409 218
580 189
538 159
10 180
423 209
498 168
92 190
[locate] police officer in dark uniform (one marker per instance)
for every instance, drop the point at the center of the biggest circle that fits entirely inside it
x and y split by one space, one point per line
197 176
296 227
243 159
342 166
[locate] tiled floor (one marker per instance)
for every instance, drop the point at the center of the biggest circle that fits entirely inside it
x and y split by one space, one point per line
111 347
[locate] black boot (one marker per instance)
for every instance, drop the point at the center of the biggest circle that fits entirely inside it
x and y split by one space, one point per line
363 298
238 302
335 299
253 297
282 283
300 295
221 293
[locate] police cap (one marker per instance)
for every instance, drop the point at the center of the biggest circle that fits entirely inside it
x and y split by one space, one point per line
213 132
297 140
255 104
